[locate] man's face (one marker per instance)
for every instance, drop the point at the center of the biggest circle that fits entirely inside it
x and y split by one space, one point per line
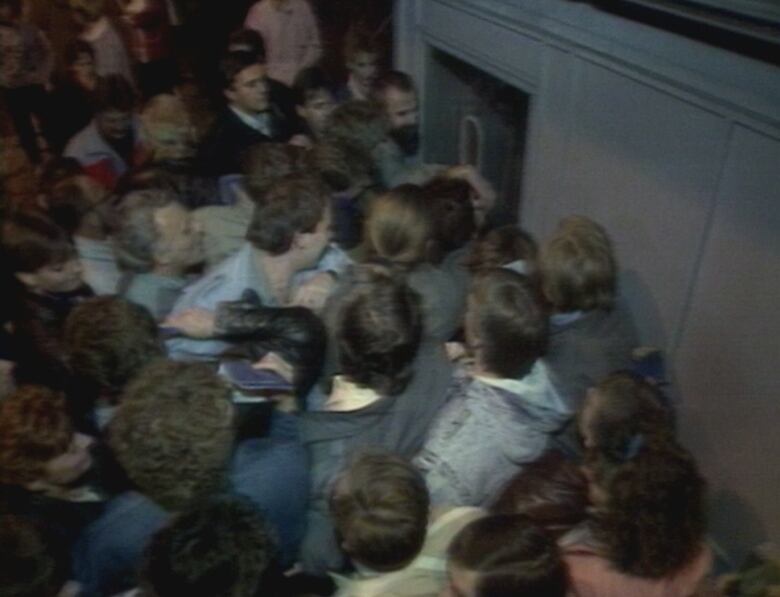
364 67
179 240
402 113
316 109
114 125
249 91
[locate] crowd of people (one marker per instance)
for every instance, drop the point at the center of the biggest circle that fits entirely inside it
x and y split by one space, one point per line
260 347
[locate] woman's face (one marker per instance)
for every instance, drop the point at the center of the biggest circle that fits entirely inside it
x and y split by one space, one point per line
71 465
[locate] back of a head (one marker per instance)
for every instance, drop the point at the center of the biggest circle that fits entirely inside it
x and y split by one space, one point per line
108 340
247 40
578 267
293 204
501 246
32 241
357 125
652 520
265 163
378 330
507 556
136 233
452 212
379 505
507 321
173 431
551 492
68 205
219 548
399 227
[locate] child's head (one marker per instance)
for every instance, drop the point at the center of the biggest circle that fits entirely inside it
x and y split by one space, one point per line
361 56
379 506
506 325
649 512
503 246
578 267
551 492
504 556
314 100
114 100
40 255
220 547
378 330
399 227
452 212
38 445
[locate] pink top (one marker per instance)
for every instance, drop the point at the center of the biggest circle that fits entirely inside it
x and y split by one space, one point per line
593 576
291 36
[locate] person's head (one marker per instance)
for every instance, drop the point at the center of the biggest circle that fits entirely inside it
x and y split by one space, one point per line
578 268
399 226
29 564
452 212
108 340
314 100
218 548
39 448
506 324
504 556
361 56
78 203
86 12
293 217
168 128
294 333
379 506
244 83
551 492
80 62
503 246
155 233
357 125
396 94
649 515
114 101
173 432
40 255
265 163
620 407
378 329
247 40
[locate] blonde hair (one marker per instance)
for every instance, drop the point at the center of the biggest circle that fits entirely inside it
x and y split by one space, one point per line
578 267
399 227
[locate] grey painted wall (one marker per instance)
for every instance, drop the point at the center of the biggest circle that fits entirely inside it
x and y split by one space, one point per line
675 147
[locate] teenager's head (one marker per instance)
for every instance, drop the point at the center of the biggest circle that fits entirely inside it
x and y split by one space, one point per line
80 62
218 548
649 512
577 267
244 83
551 492
38 446
265 163
294 333
378 330
452 212
114 101
399 227
108 340
314 100
379 506
502 246
506 325
168 128
396 94
294 217
156 233
361 56
620 407
504 556
40 255
173 432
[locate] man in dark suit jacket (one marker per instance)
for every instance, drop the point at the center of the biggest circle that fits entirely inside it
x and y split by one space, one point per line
250 117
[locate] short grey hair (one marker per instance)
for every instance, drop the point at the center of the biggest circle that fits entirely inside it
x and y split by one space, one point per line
136 233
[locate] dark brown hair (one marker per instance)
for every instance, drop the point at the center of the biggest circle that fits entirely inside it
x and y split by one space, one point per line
114 92
32 241
453 212
501 246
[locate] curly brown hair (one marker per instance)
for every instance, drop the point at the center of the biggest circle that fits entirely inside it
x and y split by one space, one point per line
653 519
173 431
34 428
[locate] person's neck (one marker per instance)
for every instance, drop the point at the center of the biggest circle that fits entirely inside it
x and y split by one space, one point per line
278 270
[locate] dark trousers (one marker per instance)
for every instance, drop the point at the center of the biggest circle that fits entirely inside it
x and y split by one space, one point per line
22 103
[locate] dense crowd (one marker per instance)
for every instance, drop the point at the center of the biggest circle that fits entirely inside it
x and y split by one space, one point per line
254 345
